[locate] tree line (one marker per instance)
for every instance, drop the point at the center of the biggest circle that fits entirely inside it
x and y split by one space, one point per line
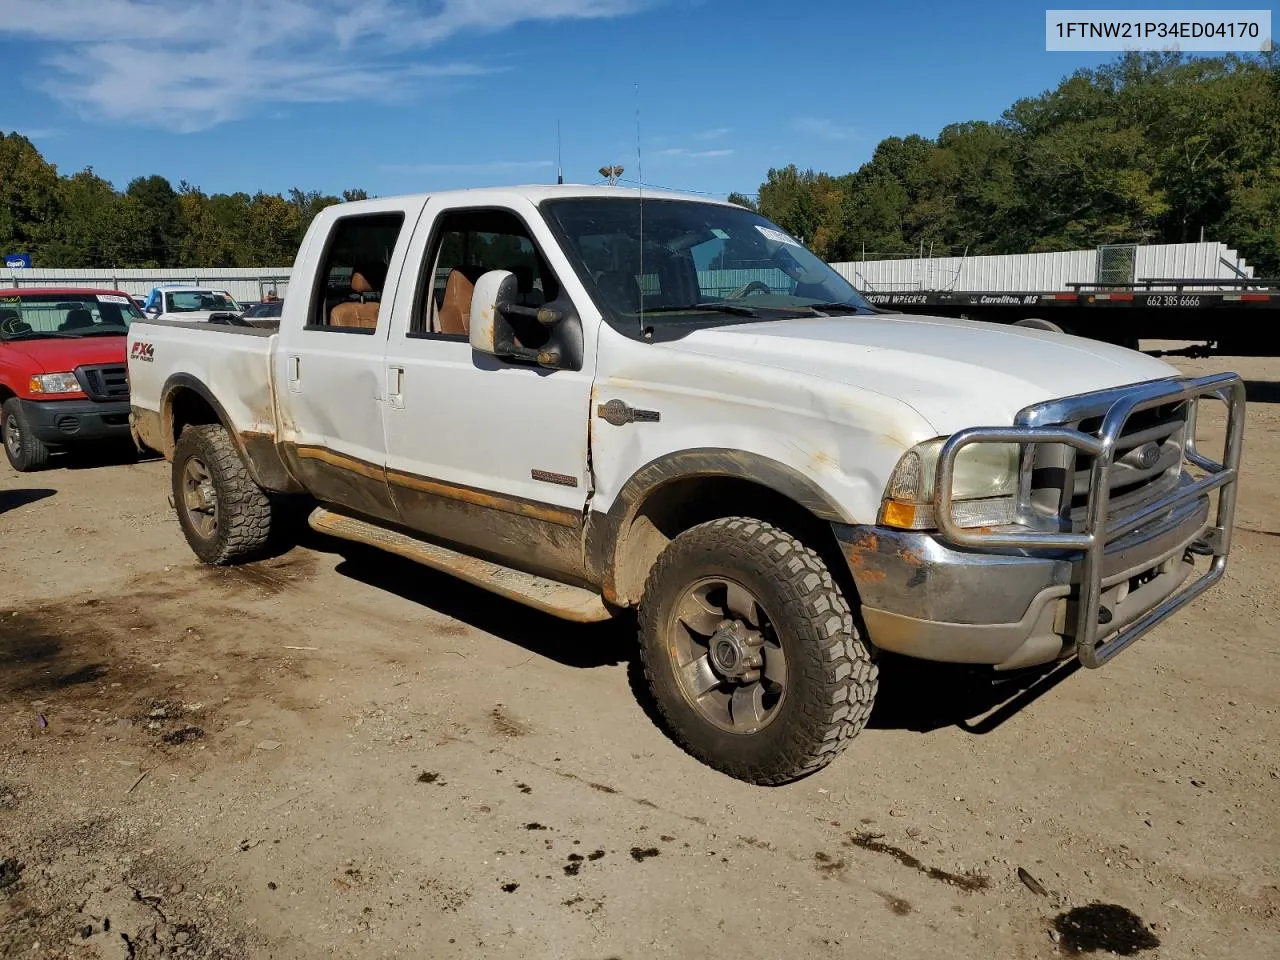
1151 148
82 220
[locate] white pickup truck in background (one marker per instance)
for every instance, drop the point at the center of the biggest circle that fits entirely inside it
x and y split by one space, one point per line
177 301
587 400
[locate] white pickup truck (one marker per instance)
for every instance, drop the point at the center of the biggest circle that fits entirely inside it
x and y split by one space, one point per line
587 400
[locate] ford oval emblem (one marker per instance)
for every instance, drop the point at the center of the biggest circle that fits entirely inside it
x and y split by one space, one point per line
1146 456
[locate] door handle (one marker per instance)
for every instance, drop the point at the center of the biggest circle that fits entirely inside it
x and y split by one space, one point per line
295 371
395 387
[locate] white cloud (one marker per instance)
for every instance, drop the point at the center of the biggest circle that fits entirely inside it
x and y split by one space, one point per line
494 166
713 134
824 129
194 64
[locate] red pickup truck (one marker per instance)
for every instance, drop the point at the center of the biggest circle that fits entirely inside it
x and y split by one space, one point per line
63 379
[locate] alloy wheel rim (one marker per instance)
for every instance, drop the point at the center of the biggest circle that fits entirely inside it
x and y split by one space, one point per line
727 659
199 501
13 435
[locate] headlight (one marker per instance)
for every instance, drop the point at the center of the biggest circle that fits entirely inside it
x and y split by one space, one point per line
984 485
54 383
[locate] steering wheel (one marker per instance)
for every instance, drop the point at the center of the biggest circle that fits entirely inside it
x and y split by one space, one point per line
749 289
12 325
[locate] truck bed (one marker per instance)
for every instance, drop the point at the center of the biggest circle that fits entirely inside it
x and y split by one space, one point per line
231 363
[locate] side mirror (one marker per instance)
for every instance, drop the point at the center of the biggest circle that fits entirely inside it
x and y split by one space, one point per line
494 287
501 327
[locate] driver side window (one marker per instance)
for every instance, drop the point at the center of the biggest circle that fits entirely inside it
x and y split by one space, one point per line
467 245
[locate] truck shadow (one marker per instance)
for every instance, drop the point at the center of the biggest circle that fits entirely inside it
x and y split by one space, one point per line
914 695
583 645
921 696
13 499
1262 391
101 455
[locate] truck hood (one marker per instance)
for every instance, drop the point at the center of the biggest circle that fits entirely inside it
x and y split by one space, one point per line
954 373
62 354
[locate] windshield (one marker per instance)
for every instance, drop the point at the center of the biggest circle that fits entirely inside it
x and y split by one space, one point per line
192 301
49 315
701 264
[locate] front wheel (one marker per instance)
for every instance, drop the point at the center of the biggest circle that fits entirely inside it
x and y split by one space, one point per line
751 652
23 448
225 516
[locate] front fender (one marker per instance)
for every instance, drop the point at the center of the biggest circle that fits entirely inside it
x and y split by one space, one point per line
607 537
721 462
839 440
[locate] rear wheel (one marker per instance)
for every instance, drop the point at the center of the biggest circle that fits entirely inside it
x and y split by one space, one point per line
21 446
751 652
225 516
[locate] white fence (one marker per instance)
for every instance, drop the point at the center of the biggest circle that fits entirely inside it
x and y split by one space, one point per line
1042 271
246 284
1018 271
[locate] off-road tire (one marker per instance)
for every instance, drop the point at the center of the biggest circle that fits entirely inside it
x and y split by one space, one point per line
244 509
831 679
31 454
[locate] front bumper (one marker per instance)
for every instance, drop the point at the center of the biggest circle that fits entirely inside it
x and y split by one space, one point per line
58 423
1014 597
924 598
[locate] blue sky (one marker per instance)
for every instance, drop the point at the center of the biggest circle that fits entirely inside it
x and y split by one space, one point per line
398 96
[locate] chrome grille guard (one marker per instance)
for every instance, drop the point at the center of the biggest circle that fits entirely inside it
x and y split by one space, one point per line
1100 529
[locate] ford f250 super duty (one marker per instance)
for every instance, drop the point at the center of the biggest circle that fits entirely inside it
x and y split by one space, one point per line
586 400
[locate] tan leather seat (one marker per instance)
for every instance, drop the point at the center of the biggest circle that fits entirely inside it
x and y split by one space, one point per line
455 311
360 314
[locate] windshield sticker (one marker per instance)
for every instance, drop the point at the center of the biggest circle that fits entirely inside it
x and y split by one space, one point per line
719 234
777 236
10 299
111 298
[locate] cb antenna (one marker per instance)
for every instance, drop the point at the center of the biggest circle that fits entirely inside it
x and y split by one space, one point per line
559 164
644 331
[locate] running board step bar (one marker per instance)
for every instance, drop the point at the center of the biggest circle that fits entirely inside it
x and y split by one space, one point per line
558 599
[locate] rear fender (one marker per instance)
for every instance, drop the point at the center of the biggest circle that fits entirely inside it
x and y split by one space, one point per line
259 451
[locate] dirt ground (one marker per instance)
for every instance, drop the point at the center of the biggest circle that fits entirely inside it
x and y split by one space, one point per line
337 753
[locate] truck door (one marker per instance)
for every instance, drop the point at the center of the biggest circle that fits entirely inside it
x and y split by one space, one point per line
329 365
483 452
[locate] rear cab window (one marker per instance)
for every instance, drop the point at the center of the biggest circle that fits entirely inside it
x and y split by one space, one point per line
353 273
